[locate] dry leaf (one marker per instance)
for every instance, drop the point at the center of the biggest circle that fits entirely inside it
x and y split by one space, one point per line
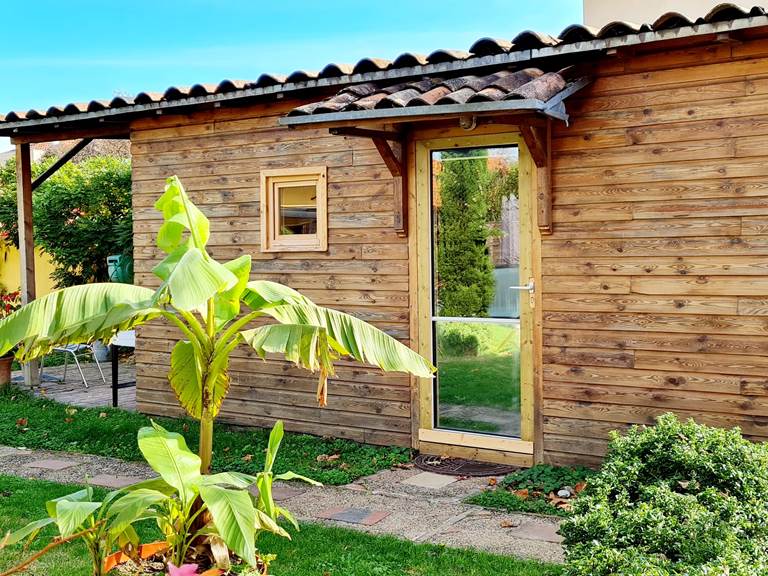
21 422
684 484
508 524
522 494
492 482
403 465
69 420
71 410
102 414
247 457
579 487
185 427
327 458
226 448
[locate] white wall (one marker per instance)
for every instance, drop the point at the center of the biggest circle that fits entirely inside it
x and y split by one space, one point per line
597 13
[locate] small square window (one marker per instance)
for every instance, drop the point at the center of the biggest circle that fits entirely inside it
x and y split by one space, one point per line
294 211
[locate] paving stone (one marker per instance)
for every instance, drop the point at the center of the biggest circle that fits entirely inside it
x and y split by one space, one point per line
430 480
51 464
11 451
364 516
112 481
280 492
542 531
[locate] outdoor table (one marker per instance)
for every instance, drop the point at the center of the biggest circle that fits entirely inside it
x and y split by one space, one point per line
125 339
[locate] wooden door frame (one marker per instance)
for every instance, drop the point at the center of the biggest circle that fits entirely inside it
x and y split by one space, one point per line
526 450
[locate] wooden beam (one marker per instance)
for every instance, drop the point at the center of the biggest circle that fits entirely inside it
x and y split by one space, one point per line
26 241
102 131
544 184
393 158
536 139
71 153
367 133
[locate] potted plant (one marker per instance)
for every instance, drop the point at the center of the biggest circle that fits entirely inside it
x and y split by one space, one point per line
9 303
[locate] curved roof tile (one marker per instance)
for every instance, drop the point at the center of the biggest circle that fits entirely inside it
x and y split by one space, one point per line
619 28
725 11
440 56
529 39
671 20
578 33
409 59
490 47
333 70
371 65
269 80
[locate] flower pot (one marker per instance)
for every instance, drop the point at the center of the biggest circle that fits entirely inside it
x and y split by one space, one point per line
5 370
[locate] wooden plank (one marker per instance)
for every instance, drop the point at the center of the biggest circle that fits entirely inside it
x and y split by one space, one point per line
701 285
739 365
620 247
587 356
659 266
658 228
642 303
578 285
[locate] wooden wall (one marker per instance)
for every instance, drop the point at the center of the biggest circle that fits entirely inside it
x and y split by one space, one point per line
218 155
655 279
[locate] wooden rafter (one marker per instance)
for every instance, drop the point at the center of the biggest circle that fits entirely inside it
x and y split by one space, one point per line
71 153
391 147
538 139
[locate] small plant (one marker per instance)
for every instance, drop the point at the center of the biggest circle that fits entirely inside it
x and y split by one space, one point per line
458 344
546 478
674 499
100 525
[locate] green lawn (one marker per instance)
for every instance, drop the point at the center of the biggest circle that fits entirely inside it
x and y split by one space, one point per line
50 426
314 551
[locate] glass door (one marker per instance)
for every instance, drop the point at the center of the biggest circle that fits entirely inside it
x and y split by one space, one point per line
476 289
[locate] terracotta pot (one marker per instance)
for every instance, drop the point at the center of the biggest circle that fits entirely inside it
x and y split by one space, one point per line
5 370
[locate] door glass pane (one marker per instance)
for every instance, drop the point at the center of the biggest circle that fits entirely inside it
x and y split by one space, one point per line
476 310
298 209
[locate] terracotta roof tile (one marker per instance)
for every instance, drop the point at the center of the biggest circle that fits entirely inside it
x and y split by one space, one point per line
482 48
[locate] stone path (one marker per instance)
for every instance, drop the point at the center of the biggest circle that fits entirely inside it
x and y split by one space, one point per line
415 505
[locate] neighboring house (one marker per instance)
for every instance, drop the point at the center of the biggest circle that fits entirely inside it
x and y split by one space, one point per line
641 231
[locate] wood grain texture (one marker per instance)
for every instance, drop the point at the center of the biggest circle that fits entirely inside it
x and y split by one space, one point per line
221 156
655 277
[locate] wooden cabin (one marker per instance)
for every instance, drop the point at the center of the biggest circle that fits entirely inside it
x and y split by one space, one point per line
573 228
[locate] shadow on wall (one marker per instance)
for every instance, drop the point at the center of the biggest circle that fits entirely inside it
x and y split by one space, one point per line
10 270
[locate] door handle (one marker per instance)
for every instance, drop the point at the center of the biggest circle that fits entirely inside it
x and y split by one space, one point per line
528 287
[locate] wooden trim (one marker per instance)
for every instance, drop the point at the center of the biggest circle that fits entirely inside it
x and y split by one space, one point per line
393 135
422 291
120 132
538 139
475 441
271 240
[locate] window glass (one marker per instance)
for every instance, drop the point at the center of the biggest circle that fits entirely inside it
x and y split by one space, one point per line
298 209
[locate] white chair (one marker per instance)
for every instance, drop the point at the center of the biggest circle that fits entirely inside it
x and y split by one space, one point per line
75 350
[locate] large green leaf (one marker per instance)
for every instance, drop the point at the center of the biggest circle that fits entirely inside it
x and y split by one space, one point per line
30 530
185 377
303 344
168 455
347 335
275 438
75 315
70 515
131 507
180 214
227 303
234 517
84 495
192 277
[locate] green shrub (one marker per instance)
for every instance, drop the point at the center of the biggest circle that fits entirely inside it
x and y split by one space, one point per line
673 499
455 343
546 478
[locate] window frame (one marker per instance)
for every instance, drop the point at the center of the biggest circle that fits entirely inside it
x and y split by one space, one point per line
272 181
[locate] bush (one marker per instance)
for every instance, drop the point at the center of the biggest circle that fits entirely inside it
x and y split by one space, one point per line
455 343
673 499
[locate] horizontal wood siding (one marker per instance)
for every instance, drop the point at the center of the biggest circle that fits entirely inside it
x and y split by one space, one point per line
218 156
655 281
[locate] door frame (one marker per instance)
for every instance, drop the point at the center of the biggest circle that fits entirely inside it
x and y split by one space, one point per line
427 438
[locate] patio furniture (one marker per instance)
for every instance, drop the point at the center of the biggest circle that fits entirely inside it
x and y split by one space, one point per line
76 351
125 339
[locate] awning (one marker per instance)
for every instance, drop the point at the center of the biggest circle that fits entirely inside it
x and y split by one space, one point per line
530 89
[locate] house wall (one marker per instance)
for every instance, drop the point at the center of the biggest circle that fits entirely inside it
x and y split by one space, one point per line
218 156
655 287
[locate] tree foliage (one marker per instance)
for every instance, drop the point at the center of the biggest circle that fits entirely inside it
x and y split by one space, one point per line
82 214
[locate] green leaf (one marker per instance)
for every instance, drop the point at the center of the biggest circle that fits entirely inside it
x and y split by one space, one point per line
234 517
180 215
227 304
265 502
131 507
236 479
275 438
75 315
287 515
30 530
84 495
186 379
264 522
70 515
193 278
168 455
293 476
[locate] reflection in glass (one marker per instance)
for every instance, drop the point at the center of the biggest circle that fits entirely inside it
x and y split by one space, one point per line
475 263
298 209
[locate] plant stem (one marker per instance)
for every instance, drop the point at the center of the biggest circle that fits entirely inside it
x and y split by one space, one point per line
206 441
50 546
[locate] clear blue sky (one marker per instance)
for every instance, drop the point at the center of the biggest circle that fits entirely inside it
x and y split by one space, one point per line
56 52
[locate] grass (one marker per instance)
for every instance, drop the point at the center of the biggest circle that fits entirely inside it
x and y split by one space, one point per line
539 481
314 551
45 424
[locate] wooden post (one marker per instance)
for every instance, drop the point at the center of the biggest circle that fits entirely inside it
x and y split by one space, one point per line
26 242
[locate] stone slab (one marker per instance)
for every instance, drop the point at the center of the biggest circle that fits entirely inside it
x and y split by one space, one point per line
363 516
430 480
281 492
11 451
532 530
112 481
52 464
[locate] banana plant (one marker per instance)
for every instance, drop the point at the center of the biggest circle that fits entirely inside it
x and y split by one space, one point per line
212 304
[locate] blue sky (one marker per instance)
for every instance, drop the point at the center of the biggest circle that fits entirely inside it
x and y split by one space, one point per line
78 51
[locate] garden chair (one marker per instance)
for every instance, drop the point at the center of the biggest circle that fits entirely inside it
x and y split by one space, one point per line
75 350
